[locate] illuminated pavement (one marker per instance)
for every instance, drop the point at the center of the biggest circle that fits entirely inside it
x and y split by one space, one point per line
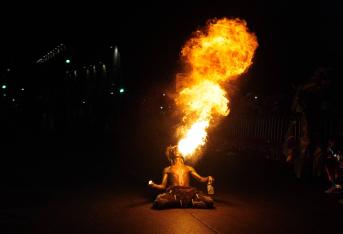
250 204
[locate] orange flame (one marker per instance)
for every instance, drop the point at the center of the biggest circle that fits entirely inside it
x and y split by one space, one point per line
220 52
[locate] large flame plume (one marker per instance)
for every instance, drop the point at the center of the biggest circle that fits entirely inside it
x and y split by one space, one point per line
222 51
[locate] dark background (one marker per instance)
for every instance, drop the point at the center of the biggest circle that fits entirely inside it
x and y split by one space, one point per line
126 133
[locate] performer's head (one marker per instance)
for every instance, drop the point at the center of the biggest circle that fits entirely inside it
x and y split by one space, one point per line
173 155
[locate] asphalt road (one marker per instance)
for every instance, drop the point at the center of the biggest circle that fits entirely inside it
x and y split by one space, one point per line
253 196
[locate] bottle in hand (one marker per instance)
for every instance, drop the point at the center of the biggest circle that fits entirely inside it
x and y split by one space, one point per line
210 188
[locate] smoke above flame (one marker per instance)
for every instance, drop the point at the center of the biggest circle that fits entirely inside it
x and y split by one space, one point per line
221 51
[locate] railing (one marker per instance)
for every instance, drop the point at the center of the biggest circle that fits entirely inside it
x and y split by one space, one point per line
267 135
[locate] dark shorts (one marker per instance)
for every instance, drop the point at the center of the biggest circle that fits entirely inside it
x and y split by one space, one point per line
183 197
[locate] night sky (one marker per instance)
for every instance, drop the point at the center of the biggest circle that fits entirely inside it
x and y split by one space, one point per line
294 37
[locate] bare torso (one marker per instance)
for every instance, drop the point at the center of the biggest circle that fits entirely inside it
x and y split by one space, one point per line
178 175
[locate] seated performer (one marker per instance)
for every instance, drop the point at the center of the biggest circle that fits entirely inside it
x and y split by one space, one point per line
179 193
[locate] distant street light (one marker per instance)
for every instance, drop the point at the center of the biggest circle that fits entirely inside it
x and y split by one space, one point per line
67 61
122 90
4 86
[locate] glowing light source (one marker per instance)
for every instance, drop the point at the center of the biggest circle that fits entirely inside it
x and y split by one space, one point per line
216 54
4 86
121 90
67 61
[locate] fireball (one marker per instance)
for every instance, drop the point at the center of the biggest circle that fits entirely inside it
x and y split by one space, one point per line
220 52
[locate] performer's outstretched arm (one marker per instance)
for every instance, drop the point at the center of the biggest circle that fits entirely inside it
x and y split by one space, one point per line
199 177
163 185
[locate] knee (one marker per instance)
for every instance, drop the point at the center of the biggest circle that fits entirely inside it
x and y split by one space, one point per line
207 200
162 201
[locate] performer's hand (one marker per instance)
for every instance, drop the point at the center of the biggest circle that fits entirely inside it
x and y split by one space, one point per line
210 179
151 184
